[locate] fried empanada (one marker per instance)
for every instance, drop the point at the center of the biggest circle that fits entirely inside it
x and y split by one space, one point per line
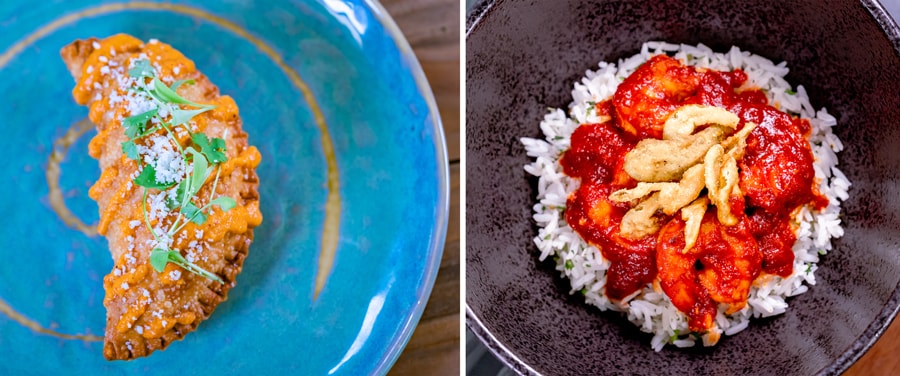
115 77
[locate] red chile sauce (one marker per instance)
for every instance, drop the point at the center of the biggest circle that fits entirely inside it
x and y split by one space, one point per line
776 177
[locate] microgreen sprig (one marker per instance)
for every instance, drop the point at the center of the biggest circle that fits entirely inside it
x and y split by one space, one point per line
159 257
204 156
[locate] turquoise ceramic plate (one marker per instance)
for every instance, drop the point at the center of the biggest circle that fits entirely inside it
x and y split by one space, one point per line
309 77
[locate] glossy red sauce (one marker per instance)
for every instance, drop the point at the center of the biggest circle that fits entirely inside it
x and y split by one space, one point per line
776 177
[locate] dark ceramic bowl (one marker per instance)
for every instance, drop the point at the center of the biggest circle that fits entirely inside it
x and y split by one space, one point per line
524 56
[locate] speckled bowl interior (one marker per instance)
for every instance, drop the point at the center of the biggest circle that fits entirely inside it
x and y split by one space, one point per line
524 56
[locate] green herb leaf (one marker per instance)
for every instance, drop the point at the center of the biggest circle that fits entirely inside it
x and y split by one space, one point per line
224 202
134 125
178 83
569 264
174 202
159 258
790 92
142 68
214 151
177 259
218 144
165 94
592 106
180 116
147 179
193 213
130 150
200 172
149 131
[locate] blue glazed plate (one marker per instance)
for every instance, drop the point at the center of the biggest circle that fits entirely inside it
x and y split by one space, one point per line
309 77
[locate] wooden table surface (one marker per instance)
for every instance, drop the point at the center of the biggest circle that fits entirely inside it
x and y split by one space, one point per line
883 358
432 28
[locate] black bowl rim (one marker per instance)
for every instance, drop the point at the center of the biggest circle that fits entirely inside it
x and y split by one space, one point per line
856 350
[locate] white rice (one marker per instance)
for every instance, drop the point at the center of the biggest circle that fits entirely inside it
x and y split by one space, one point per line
650 309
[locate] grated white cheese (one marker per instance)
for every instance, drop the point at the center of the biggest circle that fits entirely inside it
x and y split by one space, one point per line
138 104
124 286
103 59
139 329
104 70
95 45
156 206
134 223
114 98
165 241
168 163
90 69
175 275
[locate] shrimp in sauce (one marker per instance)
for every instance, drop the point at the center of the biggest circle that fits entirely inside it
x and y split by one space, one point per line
776 176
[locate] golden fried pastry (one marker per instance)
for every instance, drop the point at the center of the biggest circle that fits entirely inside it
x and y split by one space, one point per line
178 192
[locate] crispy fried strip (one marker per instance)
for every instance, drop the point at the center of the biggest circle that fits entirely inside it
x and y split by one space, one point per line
640 221
692 215
686 119
666 160
673 196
